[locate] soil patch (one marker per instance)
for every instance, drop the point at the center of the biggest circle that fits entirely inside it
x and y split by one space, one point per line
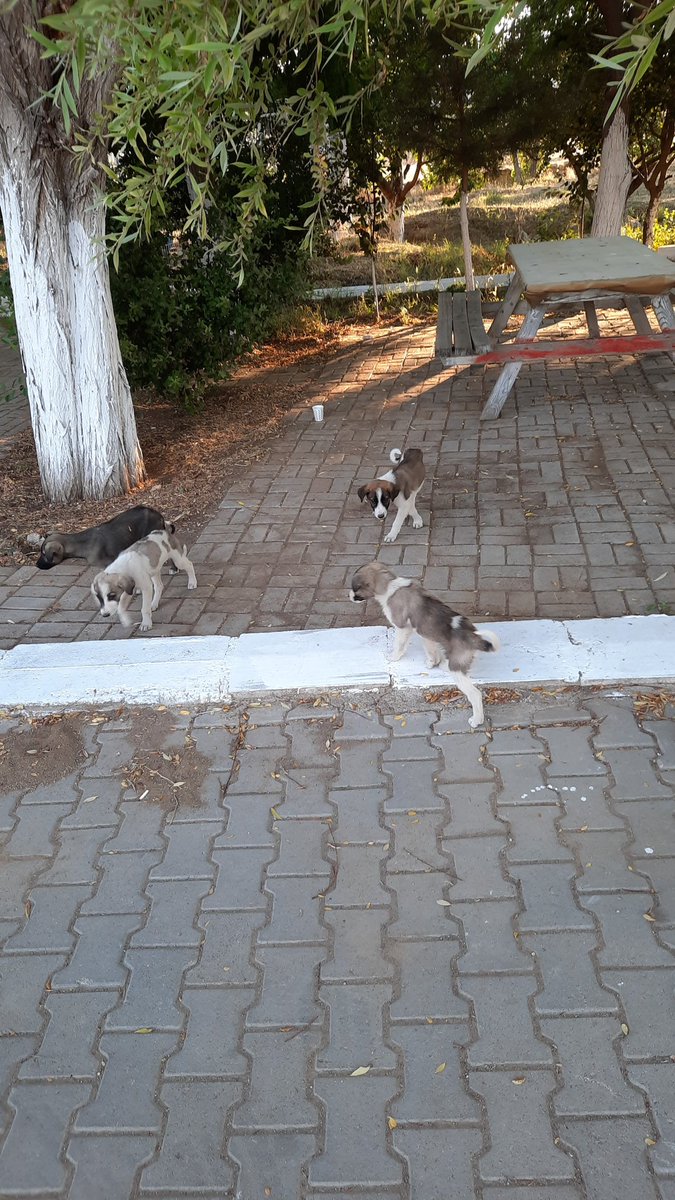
166 767
45 750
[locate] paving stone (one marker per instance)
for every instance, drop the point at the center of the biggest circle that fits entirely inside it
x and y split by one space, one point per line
188 852
49 922
612 1157
287 1107
358 727
571 986
488 933
462 759
140 829
249 823
308 797
271 1164
357 946
210 1047
523 782
571 754
657 1081
652 823
239 881
16 878
358 878
585 803
548 897
96 963
96 806
648 999
408 725
478 869
409 749
515 742
116 750
522 1145
357 816
419 913
412 786
150 997
30 1162
604 868
617 725
125 1099
13 1051
634 775
429 1094
663 732
225 958
76 857
355 1147
174 907
534 837
506 1036
33 834
416 844
106 1166
23 978
301 846
438 1154
48 794
628 938
215 743
289 987
359 765
533 1193
66 1048
296 905
355 1016
425 987
258 772
121 885
308 744
593 1083
471 809
663 879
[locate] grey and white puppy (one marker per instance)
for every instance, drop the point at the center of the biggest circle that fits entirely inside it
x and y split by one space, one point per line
101 543
140 567
398 487
447 636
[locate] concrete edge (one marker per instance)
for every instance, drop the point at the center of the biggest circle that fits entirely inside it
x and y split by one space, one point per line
203 670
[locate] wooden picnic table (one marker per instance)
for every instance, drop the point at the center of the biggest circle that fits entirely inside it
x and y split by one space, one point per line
593 273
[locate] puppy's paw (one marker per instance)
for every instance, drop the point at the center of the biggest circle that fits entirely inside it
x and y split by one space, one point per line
145 626
155 605
433 662
475 722
192 583
173 570
417 522
391 537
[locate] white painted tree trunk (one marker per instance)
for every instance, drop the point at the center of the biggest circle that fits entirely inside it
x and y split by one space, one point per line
80 402
466 240
396 222
614 179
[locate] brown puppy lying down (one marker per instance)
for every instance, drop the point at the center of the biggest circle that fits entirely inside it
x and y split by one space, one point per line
102 543
447 636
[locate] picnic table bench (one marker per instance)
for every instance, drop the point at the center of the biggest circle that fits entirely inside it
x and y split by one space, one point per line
592 274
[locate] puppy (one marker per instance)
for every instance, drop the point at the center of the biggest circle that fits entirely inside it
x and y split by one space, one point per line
140 567
398 487
102 543
446 635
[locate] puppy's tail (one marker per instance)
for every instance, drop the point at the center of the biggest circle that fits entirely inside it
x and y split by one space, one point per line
395 457
487 640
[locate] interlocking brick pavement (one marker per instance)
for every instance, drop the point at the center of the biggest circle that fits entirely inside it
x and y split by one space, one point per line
561 508
381 956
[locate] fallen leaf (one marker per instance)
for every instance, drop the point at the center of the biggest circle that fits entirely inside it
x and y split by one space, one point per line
144 1029
268 1191
650 1141
624 1029
440 1068
412 812
143 795
162 708
27 909
583 828
275 813
184 712
444 903
518 1080
429 1020
360 1071
88 799
392 1122
659 577
31 751
166 757
649 917
629 543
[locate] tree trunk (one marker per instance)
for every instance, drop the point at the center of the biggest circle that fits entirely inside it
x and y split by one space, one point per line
651 213
396 222
614 179
517 169
80 402
466 239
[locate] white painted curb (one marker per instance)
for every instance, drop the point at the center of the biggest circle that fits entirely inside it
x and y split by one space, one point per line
203 670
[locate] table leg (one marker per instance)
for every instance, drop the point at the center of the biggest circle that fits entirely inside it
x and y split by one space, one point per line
509 373
506 308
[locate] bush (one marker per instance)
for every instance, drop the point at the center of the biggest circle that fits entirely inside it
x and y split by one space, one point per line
664 229
181 316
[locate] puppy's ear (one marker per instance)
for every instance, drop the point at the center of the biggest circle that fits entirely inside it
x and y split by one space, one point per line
362 493
395 489
126 584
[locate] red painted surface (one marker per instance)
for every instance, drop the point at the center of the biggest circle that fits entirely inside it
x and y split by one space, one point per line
532 351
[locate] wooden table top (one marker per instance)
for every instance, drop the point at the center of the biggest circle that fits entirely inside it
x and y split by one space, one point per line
594 265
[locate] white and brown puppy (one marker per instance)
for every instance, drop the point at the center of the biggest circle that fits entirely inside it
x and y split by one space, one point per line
140 567
398 487
447 636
